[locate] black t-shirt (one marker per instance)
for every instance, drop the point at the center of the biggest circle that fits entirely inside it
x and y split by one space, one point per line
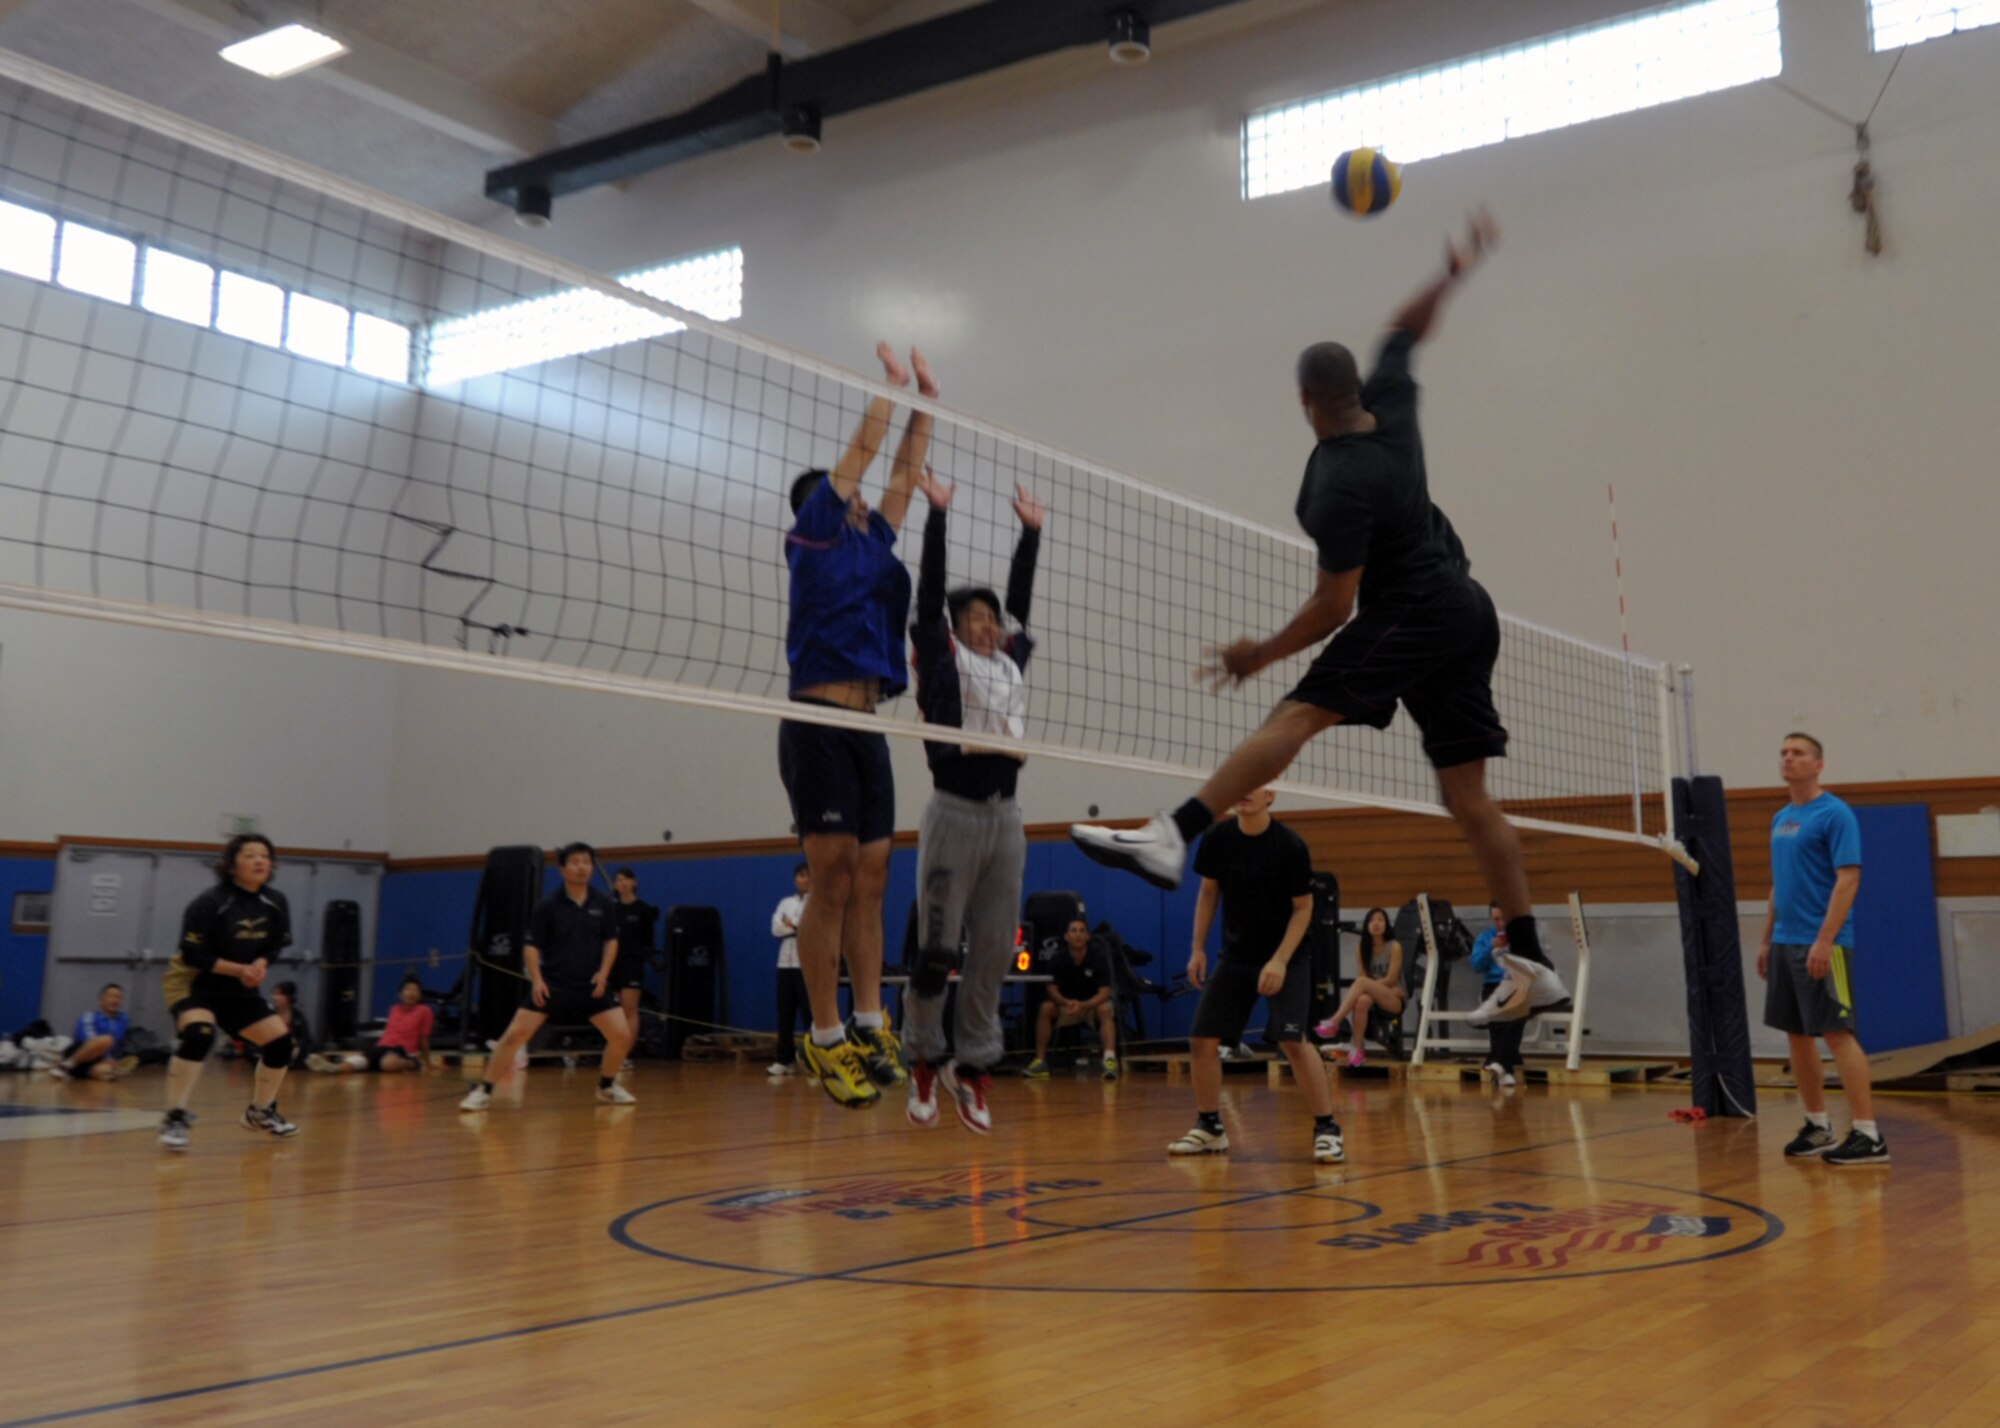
1259 878
570 937
1080 981
1366 498
229 924
635 927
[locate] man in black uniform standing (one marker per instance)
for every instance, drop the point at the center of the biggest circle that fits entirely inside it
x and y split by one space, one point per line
229 937
636 918
1412 624
1261 873
572 946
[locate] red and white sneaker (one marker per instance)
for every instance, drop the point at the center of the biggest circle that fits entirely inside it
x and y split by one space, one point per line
922 1106
968 1091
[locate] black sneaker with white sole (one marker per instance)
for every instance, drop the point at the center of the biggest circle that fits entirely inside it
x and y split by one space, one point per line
1859 1148
268 1120
174 1128
1811 1140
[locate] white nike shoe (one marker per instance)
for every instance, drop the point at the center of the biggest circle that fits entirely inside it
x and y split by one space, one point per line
1546 985
1488 1011
616 1095
1156 852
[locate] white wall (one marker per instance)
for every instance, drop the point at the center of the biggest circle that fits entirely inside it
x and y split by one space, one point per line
1799 433
110 731
1681 304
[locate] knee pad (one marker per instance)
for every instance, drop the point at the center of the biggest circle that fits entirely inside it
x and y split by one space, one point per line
932 970
278 1052
197 1040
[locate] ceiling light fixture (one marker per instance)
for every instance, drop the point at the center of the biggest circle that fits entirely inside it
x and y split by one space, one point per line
285 51
1131 38
802 129
533 206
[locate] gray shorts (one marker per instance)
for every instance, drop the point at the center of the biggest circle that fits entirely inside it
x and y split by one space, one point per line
1804 1005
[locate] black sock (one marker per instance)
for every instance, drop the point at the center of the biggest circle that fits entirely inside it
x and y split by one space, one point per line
1210 1121
1524 940
604 1082
1325 1125
1193 819
487 1087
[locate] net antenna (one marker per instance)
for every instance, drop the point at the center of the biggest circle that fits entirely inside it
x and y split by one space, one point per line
244 398
1670 844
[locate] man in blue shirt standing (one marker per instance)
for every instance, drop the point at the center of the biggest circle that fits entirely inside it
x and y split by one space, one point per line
1806 955
844 642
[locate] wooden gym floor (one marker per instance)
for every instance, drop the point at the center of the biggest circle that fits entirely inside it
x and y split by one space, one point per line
739 1251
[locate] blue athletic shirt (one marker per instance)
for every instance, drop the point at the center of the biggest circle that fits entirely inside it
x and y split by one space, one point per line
850 598
1809 844
97 1023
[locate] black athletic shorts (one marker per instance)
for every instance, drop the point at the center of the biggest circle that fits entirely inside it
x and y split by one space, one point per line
376 1053
628 971
1230 995
232 1011
1435 654
839 780
1795 1001
569 1006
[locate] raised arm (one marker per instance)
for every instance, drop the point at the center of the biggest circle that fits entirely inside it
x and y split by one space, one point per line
1419 315
1021 574
930 569
862 451
912 455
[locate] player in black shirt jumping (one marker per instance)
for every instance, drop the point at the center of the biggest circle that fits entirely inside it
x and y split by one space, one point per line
229 937
1408 622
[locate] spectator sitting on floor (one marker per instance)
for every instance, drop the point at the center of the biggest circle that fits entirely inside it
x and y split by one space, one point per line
405 1043
98 1052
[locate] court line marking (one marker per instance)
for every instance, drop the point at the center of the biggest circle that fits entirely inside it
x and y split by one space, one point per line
781 1280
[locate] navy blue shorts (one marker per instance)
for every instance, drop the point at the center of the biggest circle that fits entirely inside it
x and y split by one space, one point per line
569 1005
1229 996
839 780
1435 655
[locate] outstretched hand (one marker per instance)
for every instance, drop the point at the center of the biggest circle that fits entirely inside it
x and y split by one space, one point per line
1031 511
1225 666
937 492
1461 256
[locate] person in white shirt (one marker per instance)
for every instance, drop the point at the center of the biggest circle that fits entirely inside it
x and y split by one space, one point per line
791 981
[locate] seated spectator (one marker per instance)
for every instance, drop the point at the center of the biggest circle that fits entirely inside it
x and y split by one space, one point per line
1083 992
98 1052
1504 1037
1377 985
405 1043
285 1002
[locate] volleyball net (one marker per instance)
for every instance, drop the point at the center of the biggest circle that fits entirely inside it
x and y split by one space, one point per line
244 398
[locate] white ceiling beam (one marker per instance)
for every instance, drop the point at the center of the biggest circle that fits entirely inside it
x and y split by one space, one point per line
798 27
378 75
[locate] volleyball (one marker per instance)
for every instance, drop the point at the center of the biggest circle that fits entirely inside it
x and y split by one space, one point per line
1364 182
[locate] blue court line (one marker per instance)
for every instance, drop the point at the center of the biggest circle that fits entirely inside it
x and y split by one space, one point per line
788 1280
392 1356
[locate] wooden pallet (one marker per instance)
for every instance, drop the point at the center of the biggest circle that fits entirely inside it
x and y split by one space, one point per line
730 1046
1551 1073
1175 1064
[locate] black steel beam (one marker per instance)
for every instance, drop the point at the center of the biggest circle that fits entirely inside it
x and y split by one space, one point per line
935 52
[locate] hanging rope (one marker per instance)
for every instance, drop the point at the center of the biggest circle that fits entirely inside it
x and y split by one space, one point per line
1861 193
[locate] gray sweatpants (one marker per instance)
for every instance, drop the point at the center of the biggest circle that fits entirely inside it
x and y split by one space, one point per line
971 857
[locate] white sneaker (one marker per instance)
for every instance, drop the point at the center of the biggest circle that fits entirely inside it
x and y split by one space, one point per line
1489 1011
1506 1080
477 1099
781 1068
968 1091
1156 852
616 1095
322 1063
1546 985
922 1106
59 1071
1327 1149
1200 1141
